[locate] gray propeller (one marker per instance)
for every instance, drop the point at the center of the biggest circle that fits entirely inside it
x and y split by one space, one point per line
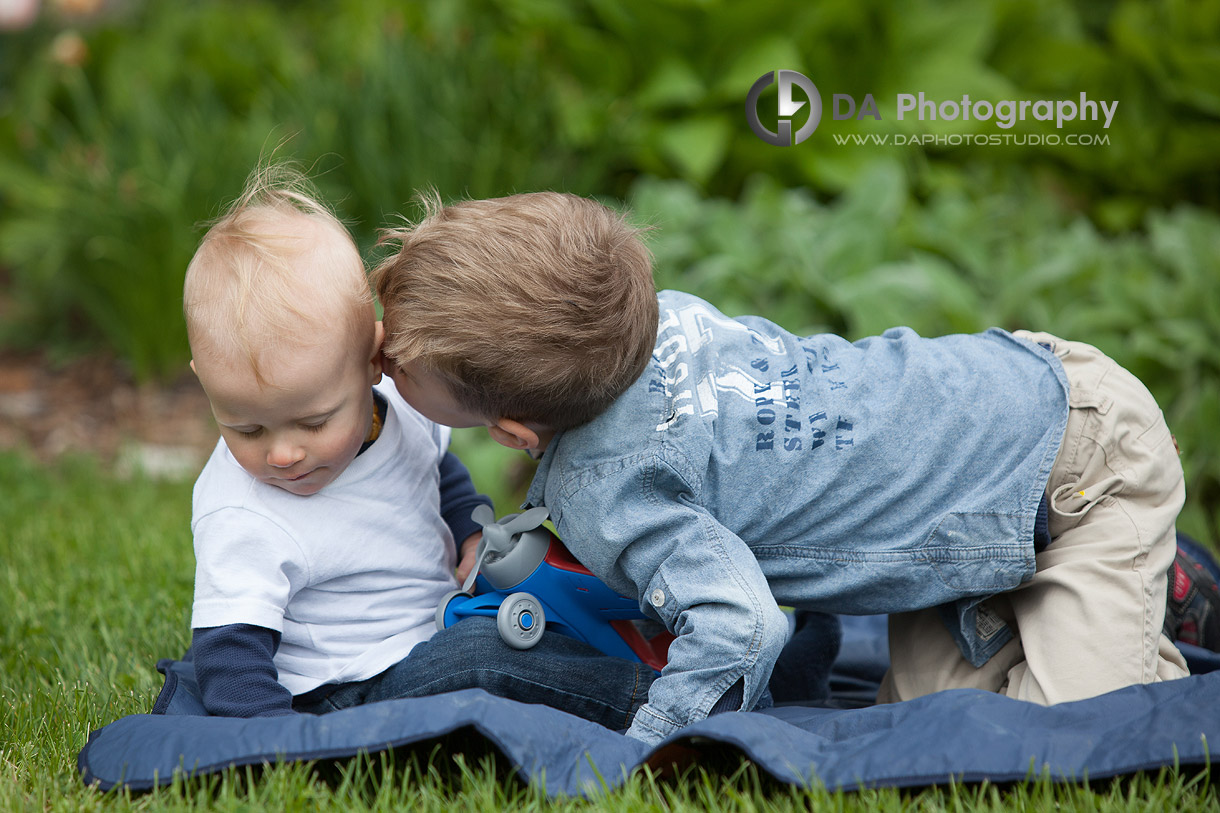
498 536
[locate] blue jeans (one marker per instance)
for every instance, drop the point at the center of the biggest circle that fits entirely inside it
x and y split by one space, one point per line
564 673
559 671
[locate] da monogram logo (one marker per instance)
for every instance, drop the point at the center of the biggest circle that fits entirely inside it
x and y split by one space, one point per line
788 106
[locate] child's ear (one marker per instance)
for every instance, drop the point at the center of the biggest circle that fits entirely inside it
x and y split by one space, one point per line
513 434
377 363
193 370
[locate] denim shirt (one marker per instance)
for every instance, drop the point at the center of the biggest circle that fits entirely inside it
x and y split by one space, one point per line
748 467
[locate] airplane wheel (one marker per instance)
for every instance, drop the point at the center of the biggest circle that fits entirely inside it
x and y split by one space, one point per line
521 621
444 606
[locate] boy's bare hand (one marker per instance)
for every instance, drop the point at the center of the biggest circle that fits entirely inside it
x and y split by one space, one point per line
466 555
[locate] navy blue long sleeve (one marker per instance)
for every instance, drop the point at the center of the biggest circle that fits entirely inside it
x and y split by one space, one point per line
236 674
458 498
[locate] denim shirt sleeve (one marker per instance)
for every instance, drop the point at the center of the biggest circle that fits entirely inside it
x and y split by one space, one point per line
639 527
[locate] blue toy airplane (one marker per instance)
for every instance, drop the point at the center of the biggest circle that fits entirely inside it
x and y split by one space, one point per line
528 581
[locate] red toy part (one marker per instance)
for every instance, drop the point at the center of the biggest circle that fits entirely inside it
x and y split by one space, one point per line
653 652
560 557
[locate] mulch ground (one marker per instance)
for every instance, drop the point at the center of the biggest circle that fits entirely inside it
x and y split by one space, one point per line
94 406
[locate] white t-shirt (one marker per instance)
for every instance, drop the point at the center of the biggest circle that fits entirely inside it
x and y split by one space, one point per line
350 576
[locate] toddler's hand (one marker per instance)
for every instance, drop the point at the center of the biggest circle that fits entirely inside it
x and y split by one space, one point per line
466 555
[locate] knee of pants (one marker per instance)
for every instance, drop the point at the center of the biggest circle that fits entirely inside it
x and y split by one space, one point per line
471 654
472 642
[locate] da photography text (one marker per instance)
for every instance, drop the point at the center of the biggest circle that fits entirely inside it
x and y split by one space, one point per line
1005 113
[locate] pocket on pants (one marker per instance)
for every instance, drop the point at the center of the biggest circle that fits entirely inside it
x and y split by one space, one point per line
1070 501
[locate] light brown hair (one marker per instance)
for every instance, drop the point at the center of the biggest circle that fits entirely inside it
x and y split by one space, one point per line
537 307
278 268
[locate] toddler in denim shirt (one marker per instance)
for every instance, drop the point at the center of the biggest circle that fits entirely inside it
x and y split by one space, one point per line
1009 499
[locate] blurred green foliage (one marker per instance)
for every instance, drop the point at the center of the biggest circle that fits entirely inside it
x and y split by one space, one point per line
668 80
119 137
107 167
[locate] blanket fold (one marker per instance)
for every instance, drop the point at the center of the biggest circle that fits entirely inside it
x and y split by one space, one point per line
963 735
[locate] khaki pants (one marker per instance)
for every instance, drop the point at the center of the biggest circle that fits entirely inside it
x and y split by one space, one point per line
1089 621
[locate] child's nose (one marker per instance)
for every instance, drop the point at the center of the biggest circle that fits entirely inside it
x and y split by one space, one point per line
283 454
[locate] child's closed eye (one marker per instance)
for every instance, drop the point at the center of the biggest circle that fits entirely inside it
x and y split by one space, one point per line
315 427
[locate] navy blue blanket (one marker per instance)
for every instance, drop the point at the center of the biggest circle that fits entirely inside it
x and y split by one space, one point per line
963 734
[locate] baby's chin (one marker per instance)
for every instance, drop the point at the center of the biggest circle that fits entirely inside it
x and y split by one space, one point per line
308 485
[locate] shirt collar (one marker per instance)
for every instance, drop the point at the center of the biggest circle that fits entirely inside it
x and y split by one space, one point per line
537 490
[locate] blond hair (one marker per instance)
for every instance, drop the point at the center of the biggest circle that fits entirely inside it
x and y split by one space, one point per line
276 269
536 307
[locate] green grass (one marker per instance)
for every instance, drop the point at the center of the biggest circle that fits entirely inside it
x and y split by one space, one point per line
95 586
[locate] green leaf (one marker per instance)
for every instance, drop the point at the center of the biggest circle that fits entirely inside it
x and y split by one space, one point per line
759 57
672 84
696 146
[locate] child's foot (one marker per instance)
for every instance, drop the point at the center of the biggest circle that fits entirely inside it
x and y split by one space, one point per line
1192 614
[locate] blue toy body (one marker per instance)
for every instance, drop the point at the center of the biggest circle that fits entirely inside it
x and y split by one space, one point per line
530 582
